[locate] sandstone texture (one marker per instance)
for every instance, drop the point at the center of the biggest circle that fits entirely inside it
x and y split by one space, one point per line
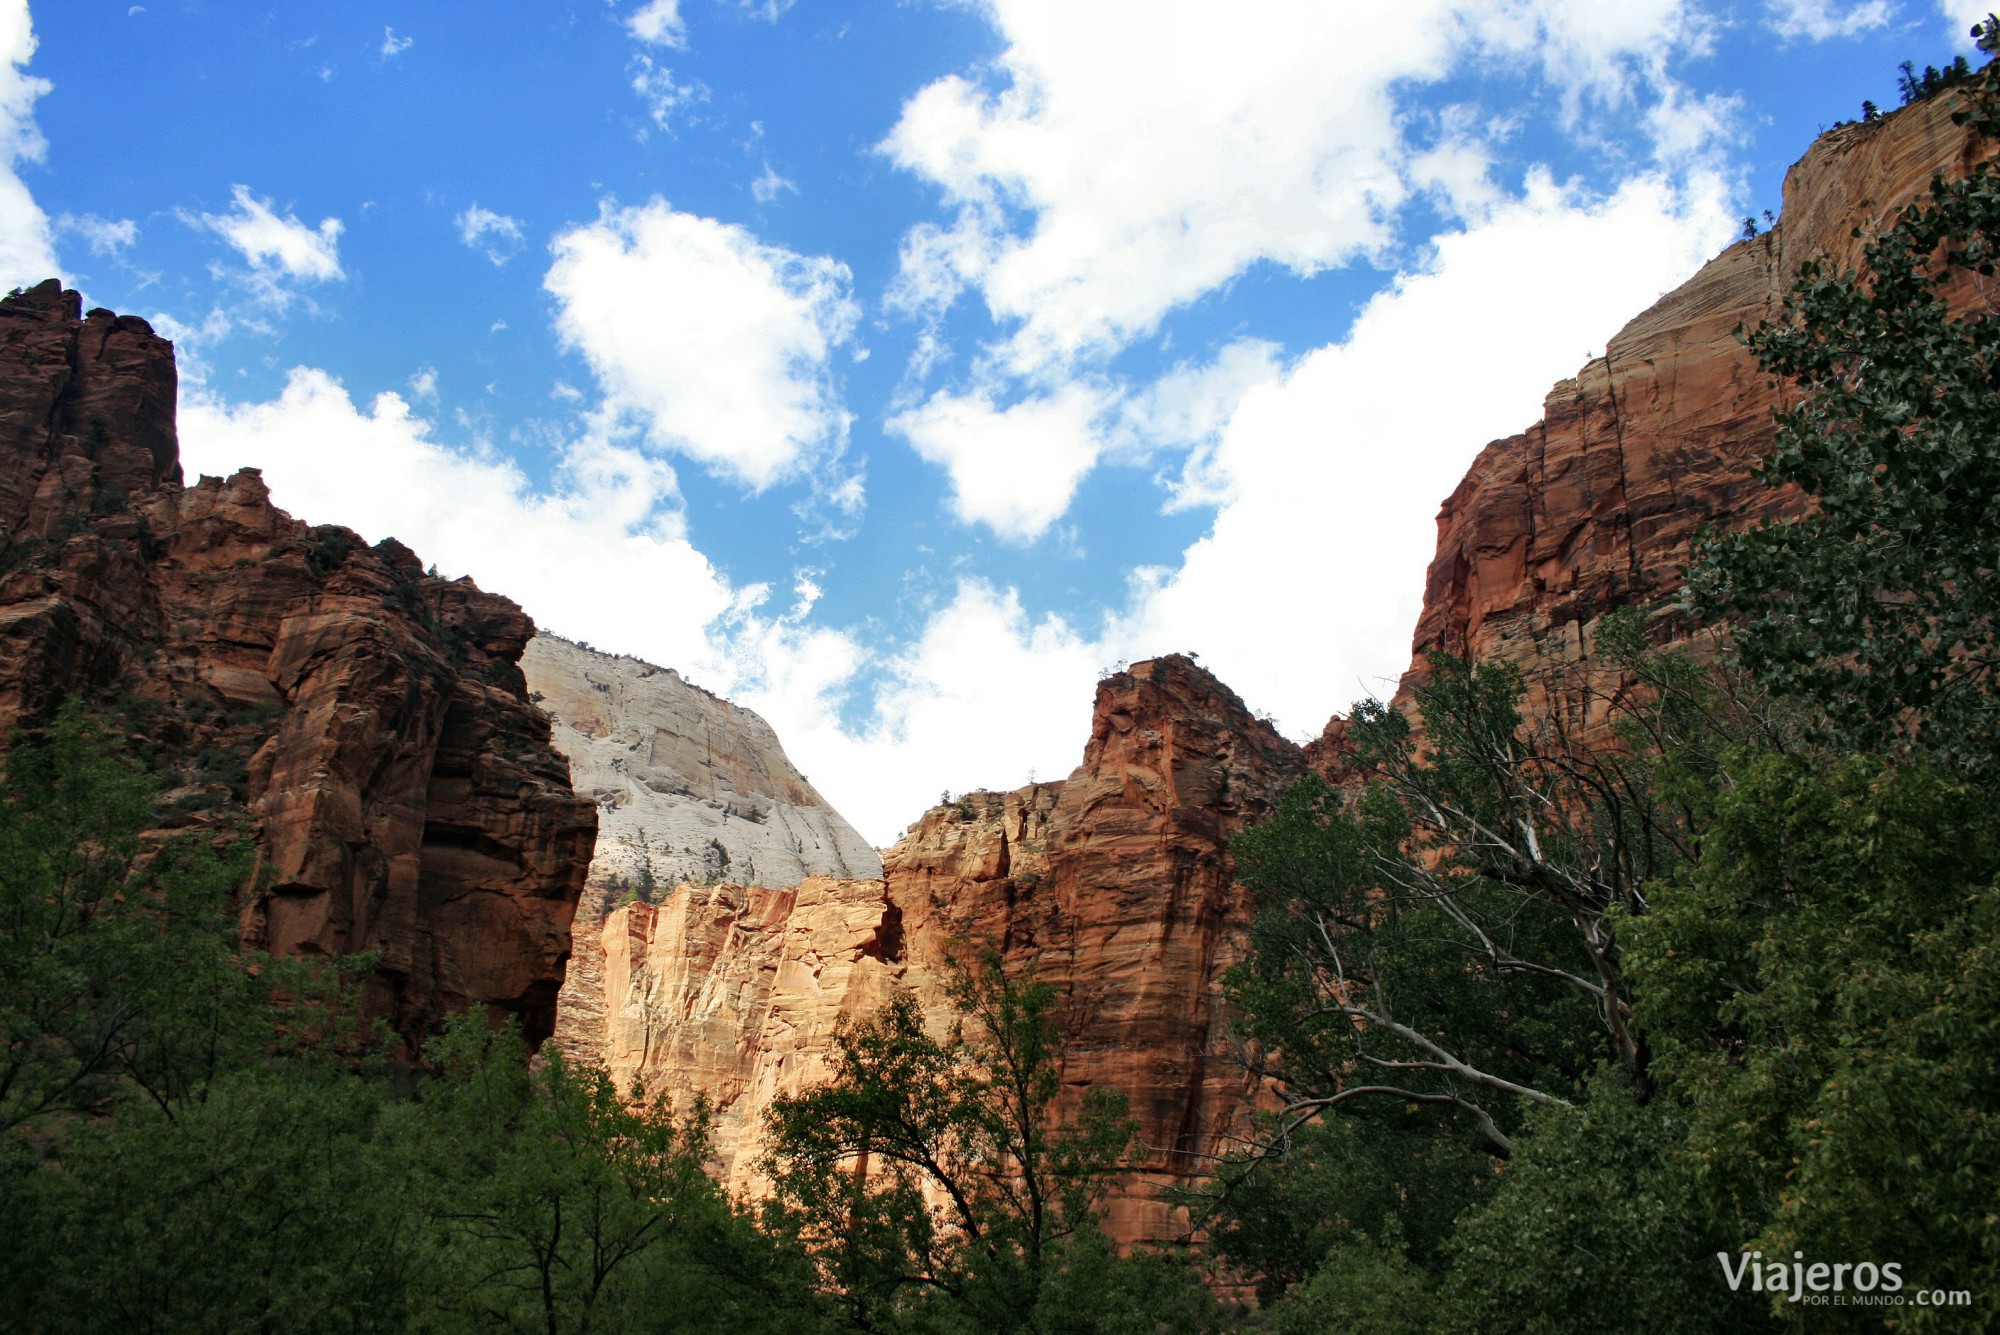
1597 506
689 788
365 723
1115 886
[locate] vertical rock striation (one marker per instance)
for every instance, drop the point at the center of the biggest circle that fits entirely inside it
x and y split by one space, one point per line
1598 505
689 788
364 722
1114 886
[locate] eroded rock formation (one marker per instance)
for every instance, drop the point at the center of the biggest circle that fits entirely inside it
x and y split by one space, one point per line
689 788
1597 506
1115 886
366 723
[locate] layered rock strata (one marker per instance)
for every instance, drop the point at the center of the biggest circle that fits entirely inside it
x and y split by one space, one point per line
1115 886
689 788
364 722
1598 505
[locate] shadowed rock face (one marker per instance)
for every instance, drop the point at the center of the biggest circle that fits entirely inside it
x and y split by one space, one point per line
366 723
1597 506
1115 886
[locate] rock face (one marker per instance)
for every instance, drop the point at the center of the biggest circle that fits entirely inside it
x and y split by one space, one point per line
366 723
689 788
1115 886
1597 506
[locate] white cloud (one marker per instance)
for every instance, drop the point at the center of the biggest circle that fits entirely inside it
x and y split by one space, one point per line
424 385
719 343
1823 20
770 185
1332 475
382 472
277 248
1327 475
27 247
104 236
393 46
658 23
1962 15
494 235
1013 469
985 696
663 94
1137 154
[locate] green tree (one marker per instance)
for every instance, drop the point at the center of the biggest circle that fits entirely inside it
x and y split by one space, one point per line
271 1204
119 975
558 1205
1449 936
1882 603
935 1189
1823 989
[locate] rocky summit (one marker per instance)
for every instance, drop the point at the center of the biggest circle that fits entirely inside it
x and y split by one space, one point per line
364 722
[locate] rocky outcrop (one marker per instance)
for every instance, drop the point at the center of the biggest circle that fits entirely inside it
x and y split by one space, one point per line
1115 886
689 788
1597 506
364 722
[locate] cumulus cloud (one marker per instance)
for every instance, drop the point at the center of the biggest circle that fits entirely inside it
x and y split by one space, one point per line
27 246
278 249
1131 155
1326 474
392 45
1012 469
381 471
984 697
494 235
719 344
1331 475
1823 20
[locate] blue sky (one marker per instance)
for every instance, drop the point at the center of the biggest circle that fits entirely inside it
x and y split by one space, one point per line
898 369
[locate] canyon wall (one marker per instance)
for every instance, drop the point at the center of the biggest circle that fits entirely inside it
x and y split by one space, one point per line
690 789
1115 886
1598 505
365 723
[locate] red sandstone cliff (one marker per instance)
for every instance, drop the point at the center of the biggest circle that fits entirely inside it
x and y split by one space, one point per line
1114 885
366 723
1596 507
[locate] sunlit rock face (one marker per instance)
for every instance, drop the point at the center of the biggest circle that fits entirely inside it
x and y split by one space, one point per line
364 722
689 789
1115 886
1597 506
